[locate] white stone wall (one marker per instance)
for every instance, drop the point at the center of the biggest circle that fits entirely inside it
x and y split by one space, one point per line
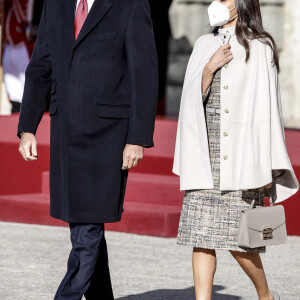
189 18
290 65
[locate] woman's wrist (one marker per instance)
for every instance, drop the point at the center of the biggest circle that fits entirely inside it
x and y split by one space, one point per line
209 68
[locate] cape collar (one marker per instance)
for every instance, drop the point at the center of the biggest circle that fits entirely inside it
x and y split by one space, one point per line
226 33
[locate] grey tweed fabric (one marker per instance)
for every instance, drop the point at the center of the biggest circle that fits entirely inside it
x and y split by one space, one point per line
210 218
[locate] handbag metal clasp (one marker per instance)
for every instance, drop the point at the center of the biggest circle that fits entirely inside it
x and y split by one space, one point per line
267 234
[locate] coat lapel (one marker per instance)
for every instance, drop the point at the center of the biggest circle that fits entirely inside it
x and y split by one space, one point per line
96 13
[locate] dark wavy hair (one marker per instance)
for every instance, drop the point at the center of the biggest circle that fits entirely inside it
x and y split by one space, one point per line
249 26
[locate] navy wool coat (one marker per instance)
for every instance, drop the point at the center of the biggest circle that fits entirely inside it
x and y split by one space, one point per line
102 90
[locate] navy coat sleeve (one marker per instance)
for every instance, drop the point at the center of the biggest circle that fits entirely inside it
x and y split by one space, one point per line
143 72
37 82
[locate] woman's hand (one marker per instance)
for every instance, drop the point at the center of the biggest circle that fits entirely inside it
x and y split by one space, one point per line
267 186
221 57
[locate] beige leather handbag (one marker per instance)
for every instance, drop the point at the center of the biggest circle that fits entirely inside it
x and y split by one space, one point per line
262 226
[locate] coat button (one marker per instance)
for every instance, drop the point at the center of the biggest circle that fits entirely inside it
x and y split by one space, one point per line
225 157
226 87
225 133
226 110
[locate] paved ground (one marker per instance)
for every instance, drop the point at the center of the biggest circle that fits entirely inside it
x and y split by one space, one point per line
33 260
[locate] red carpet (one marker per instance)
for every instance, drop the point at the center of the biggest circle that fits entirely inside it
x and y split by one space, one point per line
153 200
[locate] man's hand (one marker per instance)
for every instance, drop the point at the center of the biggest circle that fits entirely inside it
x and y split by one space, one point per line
28 147
132 154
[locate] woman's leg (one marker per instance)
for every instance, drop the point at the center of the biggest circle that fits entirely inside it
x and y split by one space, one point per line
204 268
252 265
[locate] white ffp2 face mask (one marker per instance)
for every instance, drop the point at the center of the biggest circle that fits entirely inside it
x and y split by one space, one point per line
219 14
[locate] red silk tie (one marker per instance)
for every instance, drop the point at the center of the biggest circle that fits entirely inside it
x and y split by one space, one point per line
81 13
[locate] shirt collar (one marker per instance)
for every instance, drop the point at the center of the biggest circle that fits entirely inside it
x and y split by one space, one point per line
226 33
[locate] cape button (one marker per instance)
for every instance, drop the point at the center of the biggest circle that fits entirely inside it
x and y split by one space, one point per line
225 87
225 157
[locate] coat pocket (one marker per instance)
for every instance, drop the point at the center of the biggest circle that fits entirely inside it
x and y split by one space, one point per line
104 36
53 107
113 110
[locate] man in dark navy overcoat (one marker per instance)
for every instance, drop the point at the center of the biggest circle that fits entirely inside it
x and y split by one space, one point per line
96 63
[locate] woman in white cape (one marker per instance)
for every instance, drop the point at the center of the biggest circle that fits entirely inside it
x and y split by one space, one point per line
230 144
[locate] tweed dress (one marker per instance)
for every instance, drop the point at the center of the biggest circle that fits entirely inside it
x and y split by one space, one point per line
210 217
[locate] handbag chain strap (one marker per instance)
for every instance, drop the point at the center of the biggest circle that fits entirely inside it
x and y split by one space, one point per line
269 195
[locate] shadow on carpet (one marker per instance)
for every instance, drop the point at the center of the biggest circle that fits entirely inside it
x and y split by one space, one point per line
186 294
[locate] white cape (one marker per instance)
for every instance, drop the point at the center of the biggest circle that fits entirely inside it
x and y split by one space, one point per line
255 144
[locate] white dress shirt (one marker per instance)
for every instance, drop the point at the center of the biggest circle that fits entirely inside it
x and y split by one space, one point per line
90 3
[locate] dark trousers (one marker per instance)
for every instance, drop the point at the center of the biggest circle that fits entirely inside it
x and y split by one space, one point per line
88 270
